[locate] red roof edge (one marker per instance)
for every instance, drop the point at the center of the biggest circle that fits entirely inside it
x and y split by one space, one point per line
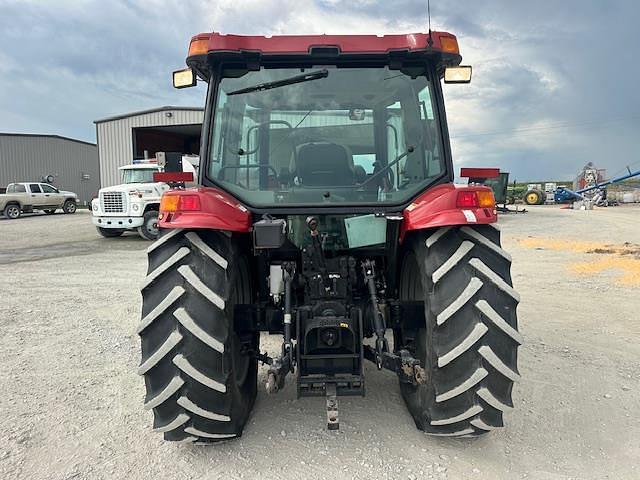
346 44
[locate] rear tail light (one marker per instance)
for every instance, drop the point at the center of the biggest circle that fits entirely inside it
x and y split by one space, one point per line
180 203
486 199
476 199
189 203
467 200
169 203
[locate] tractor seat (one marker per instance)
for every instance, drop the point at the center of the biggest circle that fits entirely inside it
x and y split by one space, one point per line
324 164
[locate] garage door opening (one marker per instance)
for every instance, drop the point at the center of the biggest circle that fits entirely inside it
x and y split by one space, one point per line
176 138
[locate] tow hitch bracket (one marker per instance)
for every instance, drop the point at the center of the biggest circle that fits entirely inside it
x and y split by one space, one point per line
333 423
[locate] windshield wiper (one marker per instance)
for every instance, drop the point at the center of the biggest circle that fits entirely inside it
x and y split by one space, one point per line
306 77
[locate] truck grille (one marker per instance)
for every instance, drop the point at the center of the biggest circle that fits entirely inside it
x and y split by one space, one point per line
112 202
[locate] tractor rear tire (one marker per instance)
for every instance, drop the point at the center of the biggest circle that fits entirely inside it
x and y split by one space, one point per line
469 343
200 382
533 197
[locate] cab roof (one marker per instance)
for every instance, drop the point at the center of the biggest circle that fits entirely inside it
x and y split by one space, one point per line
340 48
302 44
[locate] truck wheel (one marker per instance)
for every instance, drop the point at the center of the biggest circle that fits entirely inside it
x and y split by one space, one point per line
110 232
469 344
533 197
69 206
200 382
12 211
149 229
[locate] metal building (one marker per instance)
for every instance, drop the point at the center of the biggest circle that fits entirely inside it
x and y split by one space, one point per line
73 164
123 138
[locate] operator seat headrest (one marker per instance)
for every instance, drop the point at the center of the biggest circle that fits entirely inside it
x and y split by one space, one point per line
324 164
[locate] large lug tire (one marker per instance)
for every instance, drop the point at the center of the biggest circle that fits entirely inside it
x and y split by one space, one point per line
199 384
533 197
469 343
110 232
149 230
12 211
70 206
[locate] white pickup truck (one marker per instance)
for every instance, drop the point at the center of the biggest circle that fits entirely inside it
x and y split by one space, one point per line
134 204
29 196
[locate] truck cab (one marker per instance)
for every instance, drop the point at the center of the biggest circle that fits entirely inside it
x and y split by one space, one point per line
133 205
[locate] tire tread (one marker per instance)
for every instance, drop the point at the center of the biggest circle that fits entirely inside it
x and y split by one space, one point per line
471 335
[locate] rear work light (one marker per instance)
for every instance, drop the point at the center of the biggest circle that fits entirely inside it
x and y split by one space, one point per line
476 199
180 203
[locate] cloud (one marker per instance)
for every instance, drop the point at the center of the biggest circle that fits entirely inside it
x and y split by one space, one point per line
553 84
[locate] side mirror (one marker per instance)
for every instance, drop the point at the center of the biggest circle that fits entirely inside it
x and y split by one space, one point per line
184 78
460 74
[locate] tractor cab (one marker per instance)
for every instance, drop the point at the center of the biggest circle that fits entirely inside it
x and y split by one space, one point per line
325 121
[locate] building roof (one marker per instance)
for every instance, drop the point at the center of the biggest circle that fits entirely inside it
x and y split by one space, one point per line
143 112
45 135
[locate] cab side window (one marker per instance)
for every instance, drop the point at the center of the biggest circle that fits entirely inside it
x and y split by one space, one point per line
434 163
47 188
35 188
17 188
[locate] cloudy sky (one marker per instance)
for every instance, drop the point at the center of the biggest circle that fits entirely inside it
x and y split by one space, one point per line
555 82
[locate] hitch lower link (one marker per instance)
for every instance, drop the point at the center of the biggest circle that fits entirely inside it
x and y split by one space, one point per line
404 364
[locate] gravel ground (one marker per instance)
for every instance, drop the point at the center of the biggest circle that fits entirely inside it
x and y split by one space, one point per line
72 403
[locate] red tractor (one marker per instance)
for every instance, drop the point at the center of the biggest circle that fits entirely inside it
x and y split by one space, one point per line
327 214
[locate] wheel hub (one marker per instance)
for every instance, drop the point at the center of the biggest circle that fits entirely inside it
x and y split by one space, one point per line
152 226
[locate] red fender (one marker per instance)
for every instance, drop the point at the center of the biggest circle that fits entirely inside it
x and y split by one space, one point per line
437 207
218 211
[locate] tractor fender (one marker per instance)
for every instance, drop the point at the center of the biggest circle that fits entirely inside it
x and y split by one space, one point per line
218 211
438 207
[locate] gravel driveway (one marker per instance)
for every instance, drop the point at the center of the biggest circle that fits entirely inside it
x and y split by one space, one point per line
72 403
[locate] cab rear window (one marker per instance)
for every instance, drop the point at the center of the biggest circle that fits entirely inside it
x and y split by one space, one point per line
16 188
348 136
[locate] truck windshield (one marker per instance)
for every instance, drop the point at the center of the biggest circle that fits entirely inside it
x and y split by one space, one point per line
350 136
138 175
